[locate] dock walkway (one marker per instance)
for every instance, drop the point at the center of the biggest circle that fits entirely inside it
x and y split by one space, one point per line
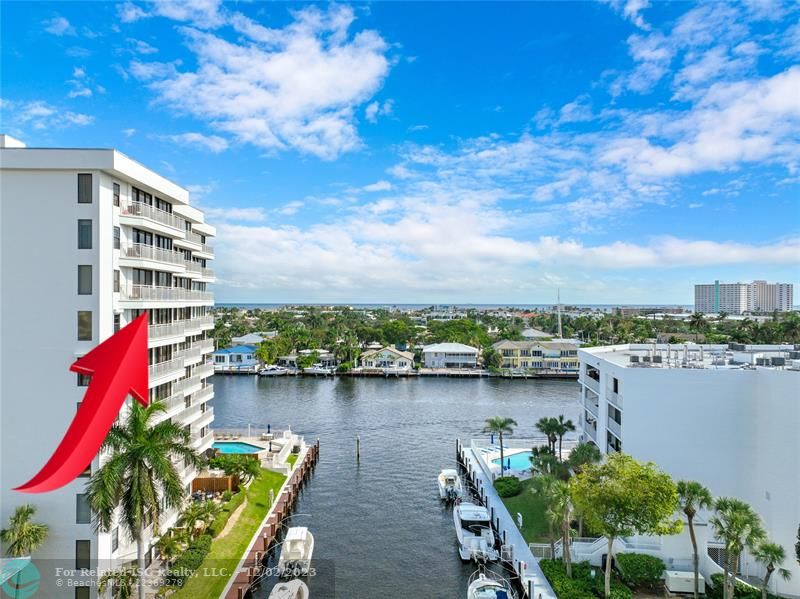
534 583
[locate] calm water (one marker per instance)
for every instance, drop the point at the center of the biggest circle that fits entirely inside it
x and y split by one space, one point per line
379 525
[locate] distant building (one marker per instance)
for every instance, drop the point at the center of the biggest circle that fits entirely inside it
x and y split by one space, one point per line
535 334
387 358
236 359
539 356
738 298
449 355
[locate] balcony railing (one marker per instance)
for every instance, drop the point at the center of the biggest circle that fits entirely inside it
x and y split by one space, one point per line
185 385
204 370
165 368
207 249
152 213
614 398
204 394
615 427
193 237
206 345
164 294
591 406
198 441
593 384
173 329
207 273
590 430
151 252
173 401
192 266
205 322
193 353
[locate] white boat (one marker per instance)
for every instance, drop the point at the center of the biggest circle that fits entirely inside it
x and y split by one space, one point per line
273 370
290 589
318 369
450 487
488 585
474 532
296 551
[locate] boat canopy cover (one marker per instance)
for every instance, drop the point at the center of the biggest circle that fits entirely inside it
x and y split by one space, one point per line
297 533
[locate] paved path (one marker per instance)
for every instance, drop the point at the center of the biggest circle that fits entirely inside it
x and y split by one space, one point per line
508 530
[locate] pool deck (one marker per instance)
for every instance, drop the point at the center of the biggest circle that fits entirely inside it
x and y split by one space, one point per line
534 582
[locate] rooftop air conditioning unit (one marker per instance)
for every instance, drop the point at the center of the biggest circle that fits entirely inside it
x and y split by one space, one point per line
634 359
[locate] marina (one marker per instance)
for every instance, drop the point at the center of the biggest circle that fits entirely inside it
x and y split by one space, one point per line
378 522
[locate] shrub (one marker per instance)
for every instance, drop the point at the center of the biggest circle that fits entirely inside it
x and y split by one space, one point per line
222 518
618 589
189 561
508 486
741 590
577 587
639 569
227 496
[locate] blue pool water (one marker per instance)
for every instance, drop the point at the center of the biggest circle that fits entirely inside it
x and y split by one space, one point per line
236 447
519 461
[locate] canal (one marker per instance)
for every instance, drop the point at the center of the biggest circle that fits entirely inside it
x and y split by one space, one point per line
379 526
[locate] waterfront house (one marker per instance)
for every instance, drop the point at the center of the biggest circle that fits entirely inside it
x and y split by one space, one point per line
449 355
535 334
253 338
539 357
236 359
388 357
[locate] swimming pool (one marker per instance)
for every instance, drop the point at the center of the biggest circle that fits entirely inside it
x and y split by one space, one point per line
519 461
236 447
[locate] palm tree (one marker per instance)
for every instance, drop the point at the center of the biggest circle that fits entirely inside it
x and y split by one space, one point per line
547 426
168 548
582 455
500 425
561 428
545 485
771 556
693 496
561 504
139 476
23 536
195 517
697 323
121 583
739 526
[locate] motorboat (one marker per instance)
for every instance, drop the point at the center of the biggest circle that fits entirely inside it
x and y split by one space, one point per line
290 589
296 551
273 370
450 487
474 532
488 585
318 369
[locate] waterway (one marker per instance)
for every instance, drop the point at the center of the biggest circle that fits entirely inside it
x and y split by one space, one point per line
379 526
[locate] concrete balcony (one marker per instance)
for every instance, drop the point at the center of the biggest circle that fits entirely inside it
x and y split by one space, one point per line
192 355
174 405
204 371
199 443
591 383
615 428
206 417
193 268
157 332
189 385
147 293
614 398
191 240
163 371
135 254
591 432
206 346
152 218
204 394
207 273
206 250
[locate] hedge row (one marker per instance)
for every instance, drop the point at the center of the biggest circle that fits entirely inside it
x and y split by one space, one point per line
189 561
638 569
508 486
581 585
222 518
741 590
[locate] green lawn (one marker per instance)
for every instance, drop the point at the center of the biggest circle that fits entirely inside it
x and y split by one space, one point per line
534 523
292 459
226 552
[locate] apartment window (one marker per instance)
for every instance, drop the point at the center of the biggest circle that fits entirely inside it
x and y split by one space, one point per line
85 279
82 593
84 188
115 188
117 324
83 555
616 385
84 234
83 515
83 380
116 238
84 325
114 538
116 281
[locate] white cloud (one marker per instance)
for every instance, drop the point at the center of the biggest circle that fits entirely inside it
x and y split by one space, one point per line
58 26
201 13
40 115
378 186
128 132
141 47
577 111
291 208
418 127
290 88
631 10
212 143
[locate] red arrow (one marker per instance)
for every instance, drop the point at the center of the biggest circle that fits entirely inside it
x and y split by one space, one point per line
118 366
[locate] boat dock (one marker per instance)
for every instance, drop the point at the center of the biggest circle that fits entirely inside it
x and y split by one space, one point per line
468 373
515 552
252 562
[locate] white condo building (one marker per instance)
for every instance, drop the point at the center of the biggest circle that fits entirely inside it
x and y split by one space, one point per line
738 298
113 239
727 416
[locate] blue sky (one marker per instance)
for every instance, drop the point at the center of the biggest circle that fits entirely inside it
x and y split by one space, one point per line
447 152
